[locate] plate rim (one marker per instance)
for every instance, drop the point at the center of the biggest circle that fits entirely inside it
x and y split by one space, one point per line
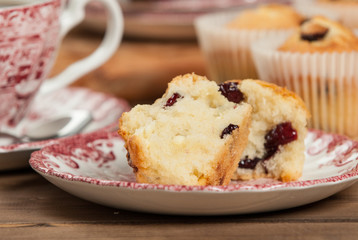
35 163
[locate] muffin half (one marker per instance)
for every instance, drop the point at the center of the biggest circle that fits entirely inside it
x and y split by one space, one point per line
279 125
193 135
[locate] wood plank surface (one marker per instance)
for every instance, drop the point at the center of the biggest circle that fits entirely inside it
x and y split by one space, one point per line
32 207
284 231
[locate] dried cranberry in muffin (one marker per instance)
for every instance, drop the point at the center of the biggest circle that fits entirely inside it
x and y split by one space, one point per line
228 130
173 99
280 135
231 92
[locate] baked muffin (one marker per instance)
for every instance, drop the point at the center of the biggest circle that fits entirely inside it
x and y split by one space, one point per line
279 125
271 16
225 38
320 34
193 135
318 62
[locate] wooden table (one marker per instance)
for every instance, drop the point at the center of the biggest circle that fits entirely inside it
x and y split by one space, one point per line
33 208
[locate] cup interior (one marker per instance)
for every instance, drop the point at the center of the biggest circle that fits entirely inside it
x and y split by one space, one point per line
9 4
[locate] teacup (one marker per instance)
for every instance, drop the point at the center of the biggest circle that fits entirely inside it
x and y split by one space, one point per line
31 32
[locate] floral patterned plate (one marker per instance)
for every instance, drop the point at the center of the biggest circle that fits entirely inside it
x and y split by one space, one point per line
105 110
95 168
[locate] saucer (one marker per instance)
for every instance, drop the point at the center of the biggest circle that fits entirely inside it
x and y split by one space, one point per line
95 168
105 109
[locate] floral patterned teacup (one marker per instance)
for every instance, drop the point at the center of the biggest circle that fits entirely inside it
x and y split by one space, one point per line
30 35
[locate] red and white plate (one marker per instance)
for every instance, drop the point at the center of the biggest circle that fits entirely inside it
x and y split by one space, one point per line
105 110
94 167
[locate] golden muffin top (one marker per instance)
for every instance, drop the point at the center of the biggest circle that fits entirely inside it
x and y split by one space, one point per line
272 16
320 34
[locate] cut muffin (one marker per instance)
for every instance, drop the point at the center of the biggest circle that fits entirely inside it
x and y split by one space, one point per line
193 135
279 125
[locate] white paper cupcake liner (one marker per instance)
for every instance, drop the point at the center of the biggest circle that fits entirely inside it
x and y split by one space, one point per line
227 51
327 82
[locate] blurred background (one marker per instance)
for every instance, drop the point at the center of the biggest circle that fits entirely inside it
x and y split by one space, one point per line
159 43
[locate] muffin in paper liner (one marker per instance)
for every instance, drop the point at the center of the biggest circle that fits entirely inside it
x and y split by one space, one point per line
227 51
327 82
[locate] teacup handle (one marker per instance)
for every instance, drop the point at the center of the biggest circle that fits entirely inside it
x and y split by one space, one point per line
72 16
